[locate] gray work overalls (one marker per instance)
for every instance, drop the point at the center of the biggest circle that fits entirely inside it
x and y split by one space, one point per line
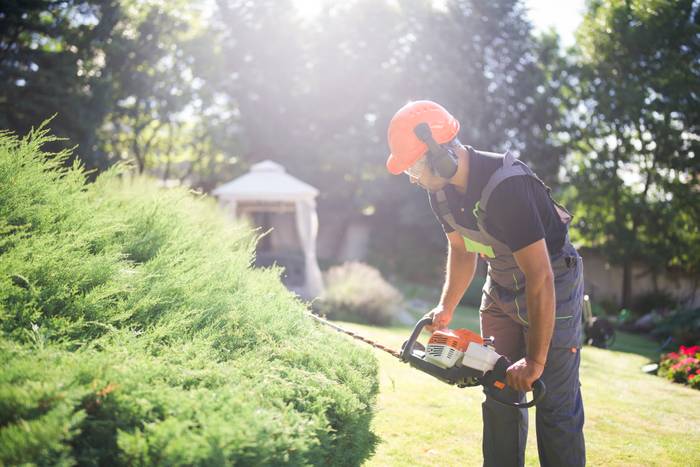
559 416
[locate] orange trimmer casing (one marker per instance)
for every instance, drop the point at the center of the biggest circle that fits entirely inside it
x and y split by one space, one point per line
445 348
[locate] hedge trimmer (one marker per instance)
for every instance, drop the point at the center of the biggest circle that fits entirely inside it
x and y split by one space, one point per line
461 358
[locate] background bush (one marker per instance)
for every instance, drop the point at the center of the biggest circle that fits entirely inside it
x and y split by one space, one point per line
359 290
653 300
133 331
682 325
472 296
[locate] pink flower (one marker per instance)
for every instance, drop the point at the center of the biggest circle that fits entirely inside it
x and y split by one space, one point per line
688 369
676 367
689 360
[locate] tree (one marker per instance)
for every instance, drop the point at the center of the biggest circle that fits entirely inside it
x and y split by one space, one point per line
154 82
634 83
318 96
481 62
199 101
314 95
52 63
118 75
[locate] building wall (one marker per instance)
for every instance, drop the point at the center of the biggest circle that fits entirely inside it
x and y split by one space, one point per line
604 282
341 239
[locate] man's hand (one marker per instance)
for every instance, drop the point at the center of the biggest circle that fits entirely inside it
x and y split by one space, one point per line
440 318
523 373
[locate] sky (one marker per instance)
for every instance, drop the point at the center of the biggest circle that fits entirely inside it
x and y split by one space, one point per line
564 15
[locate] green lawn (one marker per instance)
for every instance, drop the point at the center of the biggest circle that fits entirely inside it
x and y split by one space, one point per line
632 418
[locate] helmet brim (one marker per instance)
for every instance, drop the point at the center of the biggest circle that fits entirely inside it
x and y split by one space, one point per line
394 166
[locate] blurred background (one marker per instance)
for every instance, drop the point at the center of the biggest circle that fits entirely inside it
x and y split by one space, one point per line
196 92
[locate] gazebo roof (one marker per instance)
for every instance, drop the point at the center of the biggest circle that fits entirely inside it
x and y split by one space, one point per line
266 181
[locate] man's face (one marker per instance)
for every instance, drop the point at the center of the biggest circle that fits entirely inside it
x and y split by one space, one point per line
429 181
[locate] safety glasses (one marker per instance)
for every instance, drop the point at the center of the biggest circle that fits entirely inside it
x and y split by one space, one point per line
416 170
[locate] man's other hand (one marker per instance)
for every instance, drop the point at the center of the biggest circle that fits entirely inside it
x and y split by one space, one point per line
523 373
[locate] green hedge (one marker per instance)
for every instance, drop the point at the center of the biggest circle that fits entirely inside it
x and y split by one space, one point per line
133 331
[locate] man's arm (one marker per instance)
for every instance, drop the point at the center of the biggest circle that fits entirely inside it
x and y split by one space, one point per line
461 265
533 260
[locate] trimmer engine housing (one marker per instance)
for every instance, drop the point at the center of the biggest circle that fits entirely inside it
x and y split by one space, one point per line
448 348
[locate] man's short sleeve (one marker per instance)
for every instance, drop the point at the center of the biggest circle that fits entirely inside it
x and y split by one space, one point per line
513 212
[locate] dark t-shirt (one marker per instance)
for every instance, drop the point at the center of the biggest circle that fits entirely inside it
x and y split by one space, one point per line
519 213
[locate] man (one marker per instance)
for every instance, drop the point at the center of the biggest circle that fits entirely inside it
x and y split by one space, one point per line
495 207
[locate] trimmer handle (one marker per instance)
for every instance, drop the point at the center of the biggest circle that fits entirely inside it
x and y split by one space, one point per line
406 351
495 379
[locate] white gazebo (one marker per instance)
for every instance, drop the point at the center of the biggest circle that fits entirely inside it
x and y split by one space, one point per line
269 188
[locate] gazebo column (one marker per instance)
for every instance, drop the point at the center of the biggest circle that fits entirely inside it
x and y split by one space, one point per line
232 206
307 225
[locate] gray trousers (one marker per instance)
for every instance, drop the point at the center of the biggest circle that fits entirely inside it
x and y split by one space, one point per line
559 416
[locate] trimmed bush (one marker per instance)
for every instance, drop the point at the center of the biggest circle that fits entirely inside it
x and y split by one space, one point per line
359 290
133 331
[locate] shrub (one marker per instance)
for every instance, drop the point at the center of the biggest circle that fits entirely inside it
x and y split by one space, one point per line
653 300
133 331
608 308
682 367
682 325
359 290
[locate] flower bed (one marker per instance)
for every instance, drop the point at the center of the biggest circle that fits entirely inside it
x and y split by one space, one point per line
682 367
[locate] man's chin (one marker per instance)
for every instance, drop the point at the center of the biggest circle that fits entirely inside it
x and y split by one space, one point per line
434 189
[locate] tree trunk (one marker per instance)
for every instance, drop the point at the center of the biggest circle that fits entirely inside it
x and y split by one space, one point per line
627 286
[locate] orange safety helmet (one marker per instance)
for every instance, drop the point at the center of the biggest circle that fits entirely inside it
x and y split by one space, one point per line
405 146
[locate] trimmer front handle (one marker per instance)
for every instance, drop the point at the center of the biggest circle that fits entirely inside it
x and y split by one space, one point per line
494 380
408 347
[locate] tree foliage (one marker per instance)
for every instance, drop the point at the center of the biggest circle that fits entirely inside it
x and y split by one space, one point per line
199 95
635 114
52 61
118 75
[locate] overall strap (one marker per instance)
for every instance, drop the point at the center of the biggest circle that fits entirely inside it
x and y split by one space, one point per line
511 168
443 206
477 241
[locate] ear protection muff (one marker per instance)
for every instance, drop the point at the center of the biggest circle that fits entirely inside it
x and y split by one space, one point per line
442 161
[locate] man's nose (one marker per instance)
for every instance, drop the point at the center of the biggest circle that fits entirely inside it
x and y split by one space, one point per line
413 179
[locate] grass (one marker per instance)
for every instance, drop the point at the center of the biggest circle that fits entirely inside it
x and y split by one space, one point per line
632 418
